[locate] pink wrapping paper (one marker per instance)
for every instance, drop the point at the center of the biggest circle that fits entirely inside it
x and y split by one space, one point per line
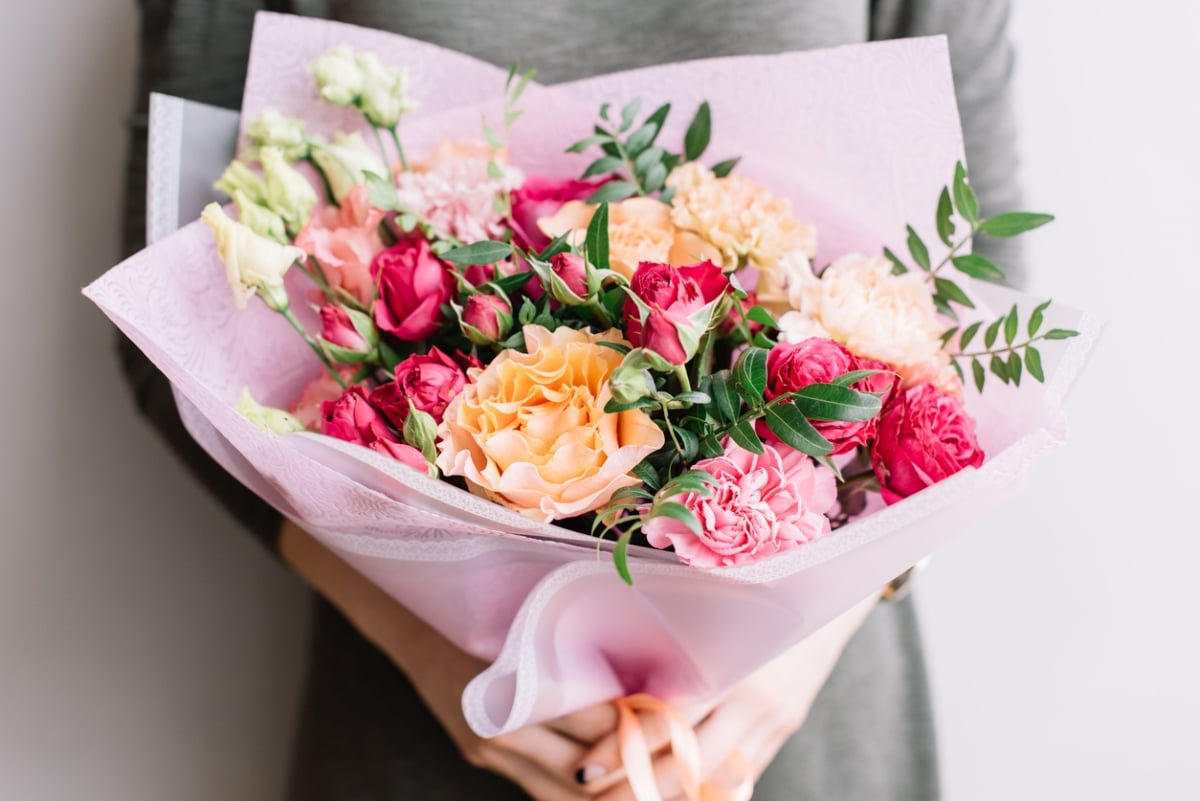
861 138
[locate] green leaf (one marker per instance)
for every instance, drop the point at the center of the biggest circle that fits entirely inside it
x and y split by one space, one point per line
853 377
898 267
1014 367
1013 223
646 472
694 397
789 424
621 557
678 512
722 169
968 334
727 407
589 141
659 116
710 446
656 176
980 375
485 252
944 308
750 372
494 139
1037 317
835 402
1011 324
758 314
695 480
511 283
647 159
945 226
1060 333
603 166
947 335
689 444
614 407
641 139
619 347
917 248
612 191
964 196
629 113
1033 363
977 266
1000 368
958 369
596 240
695 141
989 336
951 292
745 437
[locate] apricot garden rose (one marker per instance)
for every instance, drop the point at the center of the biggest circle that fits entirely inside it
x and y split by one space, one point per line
530 431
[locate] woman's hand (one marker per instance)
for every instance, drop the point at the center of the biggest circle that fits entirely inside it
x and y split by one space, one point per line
756 717
542 759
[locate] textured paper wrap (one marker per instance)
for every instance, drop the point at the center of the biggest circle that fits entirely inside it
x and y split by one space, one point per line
860 138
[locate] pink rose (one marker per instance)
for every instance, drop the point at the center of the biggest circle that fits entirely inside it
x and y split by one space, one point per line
760 505
338 329
573 272
489 315
819 361
673 294
322 388
352 418
429 381
541 197
344 239
413 285
924 437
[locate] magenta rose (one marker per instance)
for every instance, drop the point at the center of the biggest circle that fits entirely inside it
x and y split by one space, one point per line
541 197
490 316
924 437
430 381
338 329
817 360
572 271
413 285
352 418
673 294
760 505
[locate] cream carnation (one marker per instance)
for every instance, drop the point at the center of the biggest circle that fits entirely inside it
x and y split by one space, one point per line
530 430
875 314
741 219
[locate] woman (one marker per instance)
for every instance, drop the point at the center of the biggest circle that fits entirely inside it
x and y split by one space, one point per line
844 715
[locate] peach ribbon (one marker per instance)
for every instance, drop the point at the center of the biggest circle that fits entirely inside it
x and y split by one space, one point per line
638 761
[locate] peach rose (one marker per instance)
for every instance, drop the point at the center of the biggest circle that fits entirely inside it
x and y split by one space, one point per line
875 314
639 229
344 239
530 431
742 220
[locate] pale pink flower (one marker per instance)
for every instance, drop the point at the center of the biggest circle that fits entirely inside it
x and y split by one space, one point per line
760 505
454 191
323 388
344 239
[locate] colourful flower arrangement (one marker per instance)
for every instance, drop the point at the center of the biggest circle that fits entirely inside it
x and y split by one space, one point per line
644 351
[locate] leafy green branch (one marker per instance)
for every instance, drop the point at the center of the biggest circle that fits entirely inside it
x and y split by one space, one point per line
1010 360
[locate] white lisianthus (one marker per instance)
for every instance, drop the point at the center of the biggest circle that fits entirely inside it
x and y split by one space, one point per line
289 194
384 96
273 421
260 219
273 129
345 162
339 77
253 263
237 177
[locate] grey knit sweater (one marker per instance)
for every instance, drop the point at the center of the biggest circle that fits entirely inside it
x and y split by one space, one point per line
869 735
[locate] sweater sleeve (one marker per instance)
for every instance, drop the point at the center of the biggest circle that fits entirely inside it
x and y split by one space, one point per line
981 56
196 51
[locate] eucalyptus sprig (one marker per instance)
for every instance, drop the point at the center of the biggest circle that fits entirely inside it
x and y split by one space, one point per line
631 157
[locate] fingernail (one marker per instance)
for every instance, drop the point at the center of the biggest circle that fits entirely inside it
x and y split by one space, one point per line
589 773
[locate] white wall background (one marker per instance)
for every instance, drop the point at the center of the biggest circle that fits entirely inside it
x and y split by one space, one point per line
147 652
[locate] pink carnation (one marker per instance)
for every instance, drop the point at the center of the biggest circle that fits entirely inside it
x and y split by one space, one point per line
760 505
344 239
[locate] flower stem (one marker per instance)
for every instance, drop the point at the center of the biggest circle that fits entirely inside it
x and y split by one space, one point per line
316 347
399 148
382 150
997 351
953 250
684 382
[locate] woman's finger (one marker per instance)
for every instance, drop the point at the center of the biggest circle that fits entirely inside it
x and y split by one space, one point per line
532 777
601 767
587 725
555 754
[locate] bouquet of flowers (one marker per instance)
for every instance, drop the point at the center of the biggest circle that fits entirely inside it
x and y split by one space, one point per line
498 330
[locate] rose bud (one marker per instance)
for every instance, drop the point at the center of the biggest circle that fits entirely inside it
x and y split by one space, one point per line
572 279
413 285
486 319
428 381
924 436
352 418
349 335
